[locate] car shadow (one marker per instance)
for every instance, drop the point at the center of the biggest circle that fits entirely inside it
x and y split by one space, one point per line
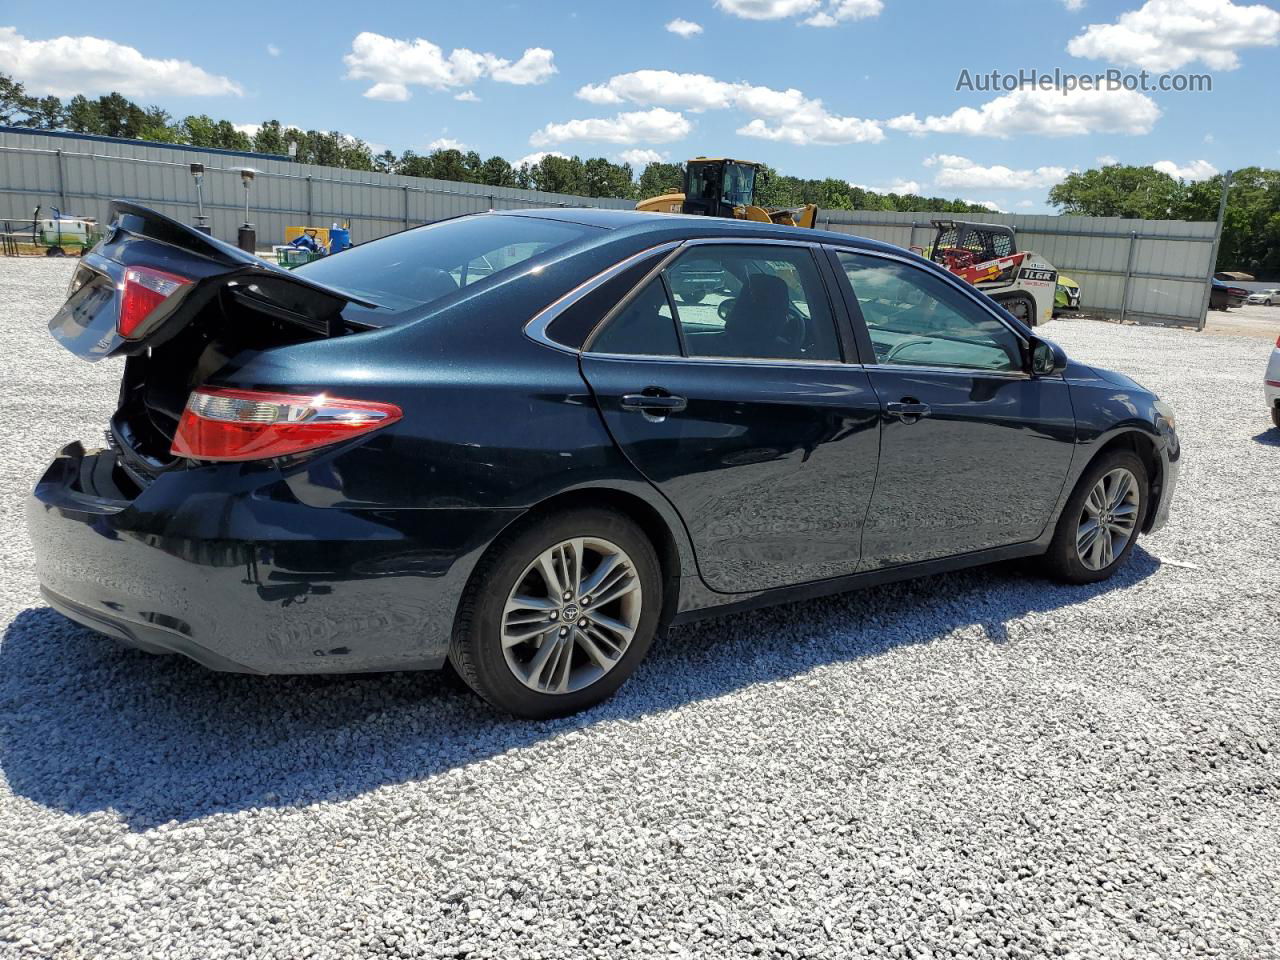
88 726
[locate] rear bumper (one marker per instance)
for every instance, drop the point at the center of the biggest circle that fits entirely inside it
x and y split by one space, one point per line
223 565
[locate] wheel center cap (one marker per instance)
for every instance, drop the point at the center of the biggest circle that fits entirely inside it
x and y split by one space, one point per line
570 613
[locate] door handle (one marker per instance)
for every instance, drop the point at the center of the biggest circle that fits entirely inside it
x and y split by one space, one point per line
908 410
656 403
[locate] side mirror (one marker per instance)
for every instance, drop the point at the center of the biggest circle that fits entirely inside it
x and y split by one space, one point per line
1047 358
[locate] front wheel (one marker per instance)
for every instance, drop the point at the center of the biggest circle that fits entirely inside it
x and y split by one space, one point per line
559 615
1275 415
1100 523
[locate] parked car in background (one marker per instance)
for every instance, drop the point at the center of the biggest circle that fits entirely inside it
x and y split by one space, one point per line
1268 298
1067 296
502 440
1271 384
1223 295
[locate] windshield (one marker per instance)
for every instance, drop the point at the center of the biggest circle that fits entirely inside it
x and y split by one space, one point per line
739 184
409 269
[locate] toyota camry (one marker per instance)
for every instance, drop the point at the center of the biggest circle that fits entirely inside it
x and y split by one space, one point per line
525 443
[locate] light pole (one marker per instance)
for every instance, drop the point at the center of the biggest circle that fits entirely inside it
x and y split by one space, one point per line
202 222
247 239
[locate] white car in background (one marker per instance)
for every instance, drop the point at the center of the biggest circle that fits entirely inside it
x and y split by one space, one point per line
1271 384
1268 297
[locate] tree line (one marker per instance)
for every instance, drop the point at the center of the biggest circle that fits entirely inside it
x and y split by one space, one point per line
1250 225
115 115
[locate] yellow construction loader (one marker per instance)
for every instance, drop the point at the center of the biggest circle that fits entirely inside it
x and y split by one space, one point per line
720 187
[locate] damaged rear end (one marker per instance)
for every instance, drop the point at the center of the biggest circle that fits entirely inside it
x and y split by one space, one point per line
179 306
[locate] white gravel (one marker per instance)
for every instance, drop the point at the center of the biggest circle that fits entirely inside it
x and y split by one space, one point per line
978 765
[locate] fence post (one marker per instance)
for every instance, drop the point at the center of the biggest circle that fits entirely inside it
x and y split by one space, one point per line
310 202
493 202
62 181
405 188
1213 254
1128 276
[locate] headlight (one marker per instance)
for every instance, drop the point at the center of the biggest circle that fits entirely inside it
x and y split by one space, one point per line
1166 415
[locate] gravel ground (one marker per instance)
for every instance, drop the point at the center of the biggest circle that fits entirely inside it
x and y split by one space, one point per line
980 765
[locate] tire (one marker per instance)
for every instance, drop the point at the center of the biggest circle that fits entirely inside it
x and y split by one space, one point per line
55 252
1275 415
519 677
1064 561
1021 306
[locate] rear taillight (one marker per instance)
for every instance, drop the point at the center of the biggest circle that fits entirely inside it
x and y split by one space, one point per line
145 288
222 424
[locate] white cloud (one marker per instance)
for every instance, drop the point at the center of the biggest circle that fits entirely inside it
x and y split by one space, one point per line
1195 170
533 159
786 115
766 9
447 143
395 65
901 187
1047 113
841 11
273 50
1164 35
961 172
1208 138
642 126
989 204
816 13
248 129
1073 5
65 66
392 92
684 28
639 158
1107 160
1025 204
467 96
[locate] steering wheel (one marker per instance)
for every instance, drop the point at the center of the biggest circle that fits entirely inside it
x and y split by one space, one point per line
795 331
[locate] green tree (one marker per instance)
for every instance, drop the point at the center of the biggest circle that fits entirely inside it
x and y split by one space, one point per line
559 175
658 178
1116 191
17 108
602 178
496 172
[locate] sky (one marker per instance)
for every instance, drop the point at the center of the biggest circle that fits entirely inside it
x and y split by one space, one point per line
862 90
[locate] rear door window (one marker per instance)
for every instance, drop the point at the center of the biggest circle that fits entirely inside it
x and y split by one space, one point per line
753 301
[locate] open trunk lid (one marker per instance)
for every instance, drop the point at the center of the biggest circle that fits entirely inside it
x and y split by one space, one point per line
170 273
180 306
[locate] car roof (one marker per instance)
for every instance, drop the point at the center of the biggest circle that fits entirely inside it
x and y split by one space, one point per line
639 222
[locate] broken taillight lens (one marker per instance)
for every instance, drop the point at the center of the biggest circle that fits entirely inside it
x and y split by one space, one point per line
144 289
224 424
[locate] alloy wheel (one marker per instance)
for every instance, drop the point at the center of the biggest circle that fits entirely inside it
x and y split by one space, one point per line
1108 520
571 615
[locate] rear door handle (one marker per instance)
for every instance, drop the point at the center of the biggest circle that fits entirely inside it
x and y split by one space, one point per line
653 403
907 410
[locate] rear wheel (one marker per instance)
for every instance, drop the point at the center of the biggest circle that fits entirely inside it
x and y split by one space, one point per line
1275 415
1100 523
1021 306
559 615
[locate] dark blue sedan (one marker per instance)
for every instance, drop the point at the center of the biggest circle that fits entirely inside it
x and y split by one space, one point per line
526 442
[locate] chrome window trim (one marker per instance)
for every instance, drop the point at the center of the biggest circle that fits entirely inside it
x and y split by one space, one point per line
723 361
955 371
536 328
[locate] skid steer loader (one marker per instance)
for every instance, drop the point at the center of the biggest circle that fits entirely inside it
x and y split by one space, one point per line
720 187
987 256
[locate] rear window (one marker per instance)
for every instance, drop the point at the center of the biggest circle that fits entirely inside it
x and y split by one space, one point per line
413 268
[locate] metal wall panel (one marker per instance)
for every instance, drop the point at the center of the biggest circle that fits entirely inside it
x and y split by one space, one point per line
1153 271
1144 270
82 175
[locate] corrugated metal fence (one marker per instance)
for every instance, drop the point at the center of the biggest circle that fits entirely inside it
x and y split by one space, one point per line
1152 271
82 175
1147 271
